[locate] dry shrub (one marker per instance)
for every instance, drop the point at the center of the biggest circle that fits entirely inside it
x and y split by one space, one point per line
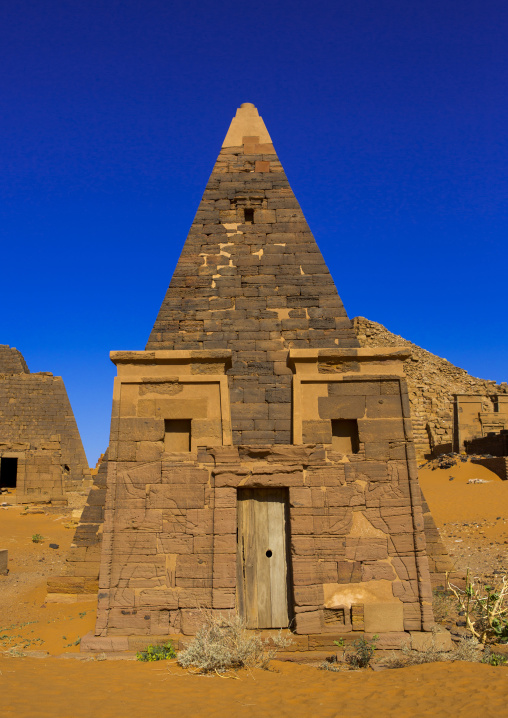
443 604
468 649
334 667
222 643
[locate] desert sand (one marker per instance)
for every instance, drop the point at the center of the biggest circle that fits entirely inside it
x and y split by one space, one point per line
472 518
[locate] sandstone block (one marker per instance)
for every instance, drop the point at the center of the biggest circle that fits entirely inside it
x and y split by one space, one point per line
384 617
423 641
164 496
175 473
384 406
341 407
380 430
148 450
366 549
412 617
224 599
136 476
349 571
147 520
193 566
129 622
191 620
141 429
177 544
377 571
161 597
406 591
308 595
308 622
310 571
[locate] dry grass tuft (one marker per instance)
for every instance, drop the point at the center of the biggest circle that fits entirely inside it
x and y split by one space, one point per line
223 643
468 649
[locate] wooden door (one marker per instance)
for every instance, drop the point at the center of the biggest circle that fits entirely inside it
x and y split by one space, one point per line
262 557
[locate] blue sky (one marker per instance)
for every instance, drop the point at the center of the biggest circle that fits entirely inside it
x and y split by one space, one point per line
389 118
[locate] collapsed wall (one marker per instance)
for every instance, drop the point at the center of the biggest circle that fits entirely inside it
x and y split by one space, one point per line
41 454
432 383
84 558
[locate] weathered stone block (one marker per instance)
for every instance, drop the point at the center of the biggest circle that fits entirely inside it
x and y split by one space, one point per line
366 549
149 450
162 496
380 430
141 429
383 617
341 407
308 622
384 406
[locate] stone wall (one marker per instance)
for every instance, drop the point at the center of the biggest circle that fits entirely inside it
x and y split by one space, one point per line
37 426
497 464
432 383
494 444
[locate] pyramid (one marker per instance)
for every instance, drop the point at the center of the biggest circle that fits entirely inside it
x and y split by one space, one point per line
260 461
252 278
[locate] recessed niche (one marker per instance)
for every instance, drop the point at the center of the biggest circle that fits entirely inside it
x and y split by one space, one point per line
177 435
345 436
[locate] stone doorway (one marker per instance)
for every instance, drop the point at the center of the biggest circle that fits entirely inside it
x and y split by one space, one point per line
8 472
262 557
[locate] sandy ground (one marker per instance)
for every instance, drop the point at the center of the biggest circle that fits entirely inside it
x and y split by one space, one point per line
26 621
473 519
110 689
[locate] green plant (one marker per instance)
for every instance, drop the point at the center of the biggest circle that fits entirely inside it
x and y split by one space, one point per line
485 608
364 652
157 653
359 658
494 659
37 538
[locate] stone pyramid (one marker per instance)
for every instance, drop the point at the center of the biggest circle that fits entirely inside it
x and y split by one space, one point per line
252 279
259 461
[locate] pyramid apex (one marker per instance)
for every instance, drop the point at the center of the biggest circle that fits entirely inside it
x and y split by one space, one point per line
246 123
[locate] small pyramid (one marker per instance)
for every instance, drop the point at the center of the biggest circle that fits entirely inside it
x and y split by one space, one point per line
252 279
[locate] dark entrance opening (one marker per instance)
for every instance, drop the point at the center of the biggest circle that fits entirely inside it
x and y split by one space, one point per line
8 472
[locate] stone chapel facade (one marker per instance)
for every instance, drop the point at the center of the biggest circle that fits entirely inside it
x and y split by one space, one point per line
259 459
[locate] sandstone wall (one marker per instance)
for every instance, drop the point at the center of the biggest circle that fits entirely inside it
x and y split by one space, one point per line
432 382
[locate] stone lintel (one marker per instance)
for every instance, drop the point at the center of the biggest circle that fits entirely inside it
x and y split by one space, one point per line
167 356
360 354
379 361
